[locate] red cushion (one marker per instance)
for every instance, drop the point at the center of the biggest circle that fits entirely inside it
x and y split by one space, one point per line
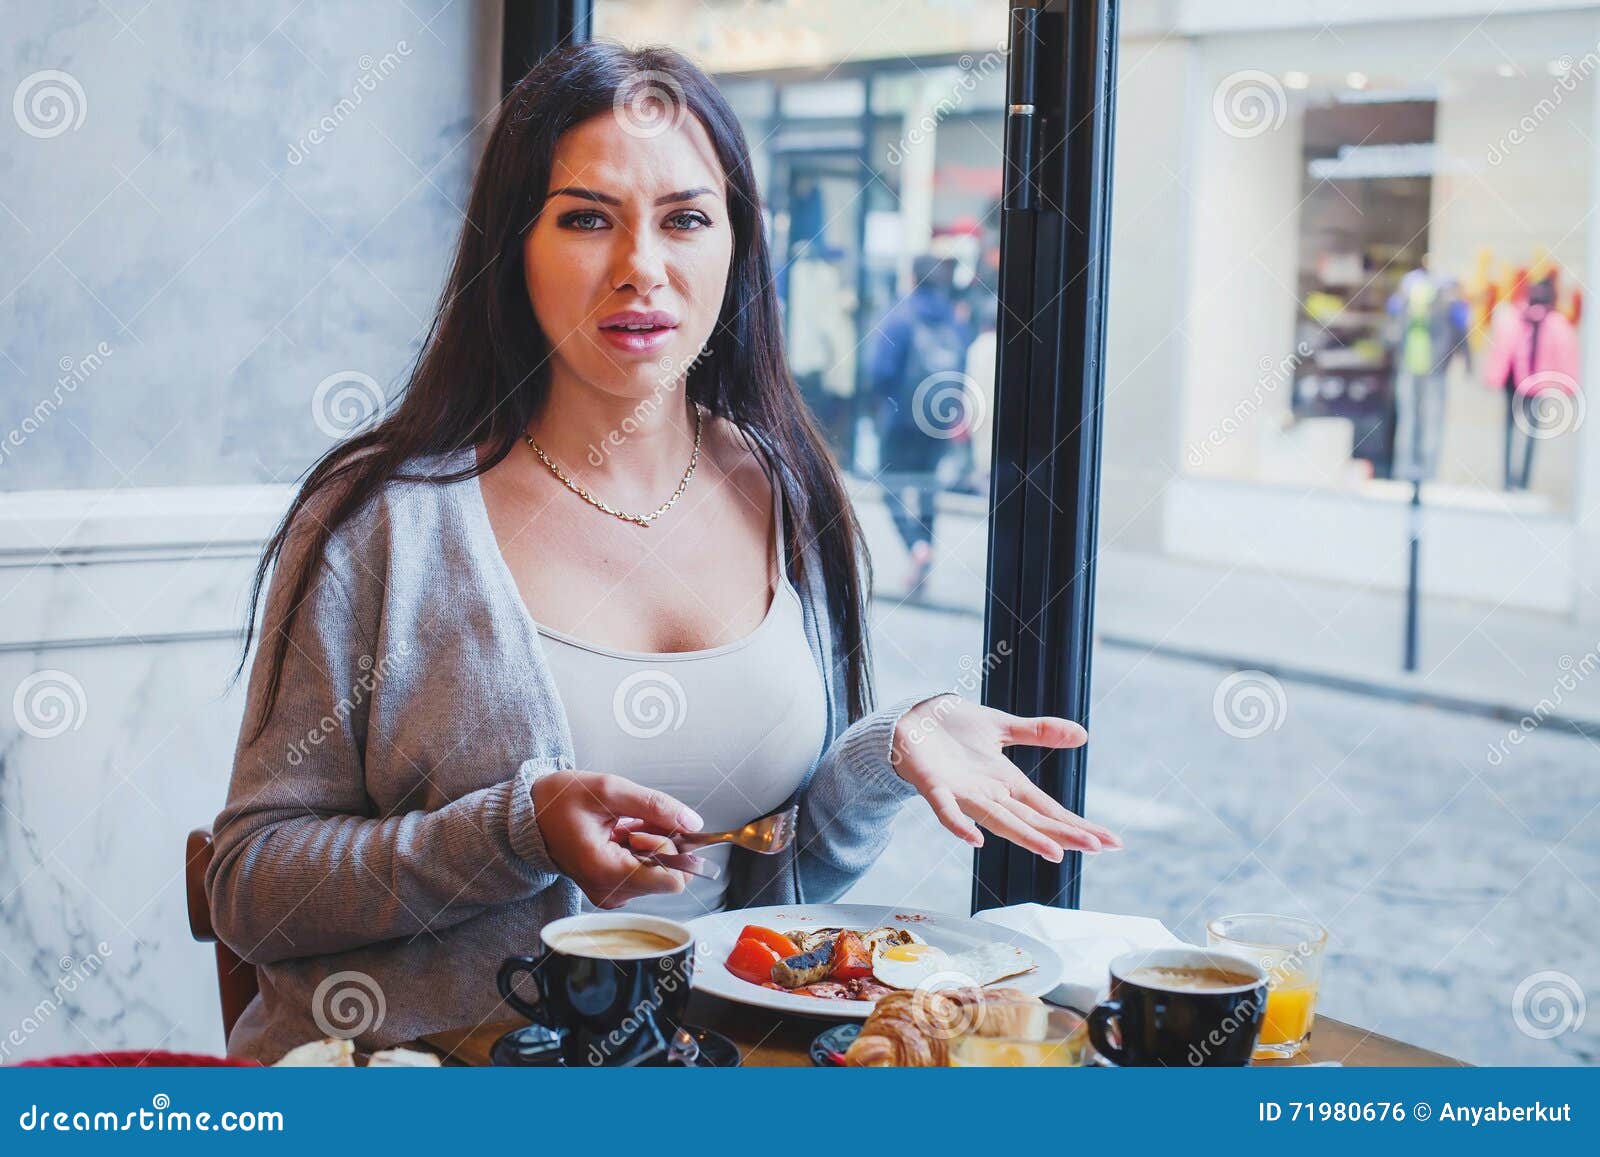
136 1059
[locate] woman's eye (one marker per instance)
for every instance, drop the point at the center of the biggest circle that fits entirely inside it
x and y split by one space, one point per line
689 220
572 220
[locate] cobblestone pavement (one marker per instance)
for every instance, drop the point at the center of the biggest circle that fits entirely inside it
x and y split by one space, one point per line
1450 884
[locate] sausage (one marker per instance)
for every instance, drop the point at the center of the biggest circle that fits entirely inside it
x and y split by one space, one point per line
805 968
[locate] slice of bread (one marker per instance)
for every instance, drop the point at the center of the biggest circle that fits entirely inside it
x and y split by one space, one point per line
325 1053
399 1058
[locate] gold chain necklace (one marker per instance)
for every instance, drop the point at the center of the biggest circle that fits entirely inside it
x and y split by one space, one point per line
642 519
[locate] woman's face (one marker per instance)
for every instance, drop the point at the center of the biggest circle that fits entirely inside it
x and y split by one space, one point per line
632 224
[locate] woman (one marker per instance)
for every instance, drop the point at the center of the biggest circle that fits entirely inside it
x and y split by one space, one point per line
595 565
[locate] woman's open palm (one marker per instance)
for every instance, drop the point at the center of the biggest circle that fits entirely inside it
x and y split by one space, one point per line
952 751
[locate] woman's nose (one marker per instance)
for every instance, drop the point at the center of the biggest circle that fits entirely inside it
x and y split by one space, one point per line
641 264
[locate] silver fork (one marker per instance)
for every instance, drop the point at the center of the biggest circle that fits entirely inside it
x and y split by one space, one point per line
767 836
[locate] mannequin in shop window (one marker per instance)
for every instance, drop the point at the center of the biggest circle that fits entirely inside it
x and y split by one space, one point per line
1428 330
1533 357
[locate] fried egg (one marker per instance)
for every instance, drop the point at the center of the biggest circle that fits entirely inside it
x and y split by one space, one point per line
918 964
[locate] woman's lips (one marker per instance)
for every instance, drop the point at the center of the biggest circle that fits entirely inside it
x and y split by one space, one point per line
638 341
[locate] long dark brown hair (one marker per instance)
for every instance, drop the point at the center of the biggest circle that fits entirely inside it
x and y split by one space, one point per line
482 372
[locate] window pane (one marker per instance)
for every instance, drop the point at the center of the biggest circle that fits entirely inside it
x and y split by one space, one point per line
884 229
1332 245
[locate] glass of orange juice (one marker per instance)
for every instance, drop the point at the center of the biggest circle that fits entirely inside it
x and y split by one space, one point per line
1291 951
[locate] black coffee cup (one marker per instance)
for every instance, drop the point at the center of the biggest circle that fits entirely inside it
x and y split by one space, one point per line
1150 1020
607 1009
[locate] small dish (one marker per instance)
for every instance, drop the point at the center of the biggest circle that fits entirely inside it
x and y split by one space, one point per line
831 1043
534 1046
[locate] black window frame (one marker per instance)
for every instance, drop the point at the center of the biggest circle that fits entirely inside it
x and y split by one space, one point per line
1055 238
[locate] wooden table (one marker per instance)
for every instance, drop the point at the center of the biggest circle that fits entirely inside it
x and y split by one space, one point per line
768 1039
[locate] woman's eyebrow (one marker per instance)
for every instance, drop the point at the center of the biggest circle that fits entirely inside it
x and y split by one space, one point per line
685 195
607 199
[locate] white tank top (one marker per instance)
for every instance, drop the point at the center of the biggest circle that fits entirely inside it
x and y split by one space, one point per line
729 730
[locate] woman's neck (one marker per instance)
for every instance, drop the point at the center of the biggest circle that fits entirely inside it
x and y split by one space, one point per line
626 448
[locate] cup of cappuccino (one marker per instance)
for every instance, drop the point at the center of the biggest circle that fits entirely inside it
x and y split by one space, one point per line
1180 1007
614 986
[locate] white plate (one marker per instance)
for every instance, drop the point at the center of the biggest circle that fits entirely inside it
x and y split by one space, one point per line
715 935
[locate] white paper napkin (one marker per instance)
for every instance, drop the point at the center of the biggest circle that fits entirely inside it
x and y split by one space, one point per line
1086 943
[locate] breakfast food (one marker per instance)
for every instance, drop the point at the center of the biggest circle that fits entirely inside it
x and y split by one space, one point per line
850 964
320 1054
915 1028
806 939
911 965
803 968
399 1058
330 1052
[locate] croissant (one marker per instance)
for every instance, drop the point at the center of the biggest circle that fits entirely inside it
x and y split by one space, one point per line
914 1028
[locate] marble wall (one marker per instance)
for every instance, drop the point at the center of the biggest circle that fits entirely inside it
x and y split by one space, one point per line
238 202
126 749
216 222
